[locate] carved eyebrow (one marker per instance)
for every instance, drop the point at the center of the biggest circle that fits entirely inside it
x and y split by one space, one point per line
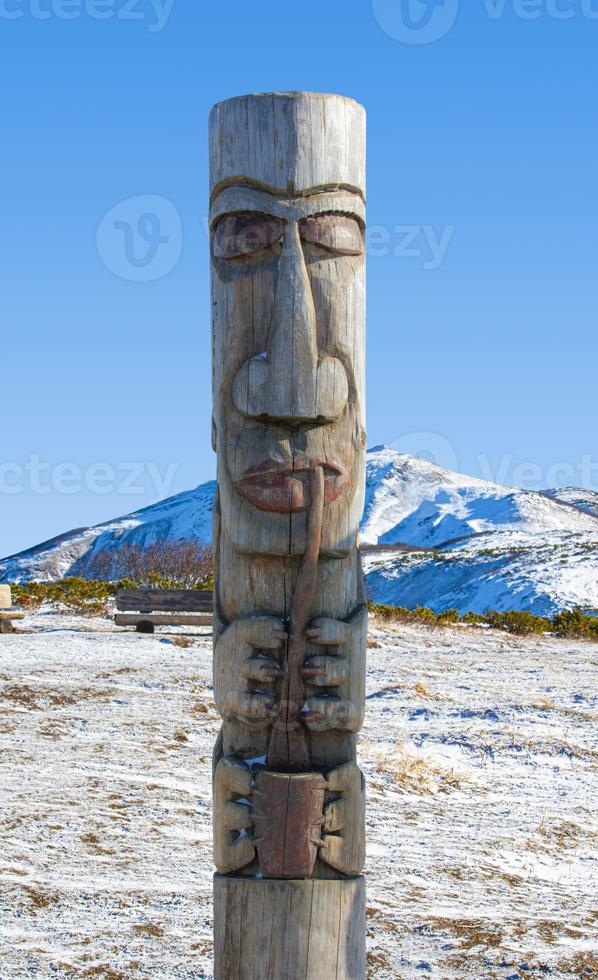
341 212
243 198
288 192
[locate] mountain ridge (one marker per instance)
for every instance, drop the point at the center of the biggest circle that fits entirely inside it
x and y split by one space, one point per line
460 541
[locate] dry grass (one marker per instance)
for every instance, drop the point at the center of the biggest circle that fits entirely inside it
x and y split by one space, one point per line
563 835
544 704
424 692
581 965
418 773
39 899
48 697
105 972
471 933
183 641
375 962
148 929
21 694
94 844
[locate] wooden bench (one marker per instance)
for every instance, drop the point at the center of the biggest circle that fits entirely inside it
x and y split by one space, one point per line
148 608
7 613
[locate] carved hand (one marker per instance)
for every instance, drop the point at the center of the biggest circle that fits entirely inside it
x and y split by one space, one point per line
337 674
233 844
343 833
245 669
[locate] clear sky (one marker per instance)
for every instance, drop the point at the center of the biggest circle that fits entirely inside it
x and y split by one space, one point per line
482 204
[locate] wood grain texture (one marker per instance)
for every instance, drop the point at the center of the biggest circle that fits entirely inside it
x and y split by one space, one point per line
303 140
287 222
164 619
5 597
164 600
289 930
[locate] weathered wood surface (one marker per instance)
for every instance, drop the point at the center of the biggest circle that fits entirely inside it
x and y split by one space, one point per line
12 614
164 600
287 219
255 938
304 139
5 597
164 619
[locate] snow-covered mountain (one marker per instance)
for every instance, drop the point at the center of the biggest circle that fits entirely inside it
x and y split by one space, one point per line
583 499
485 545
182 517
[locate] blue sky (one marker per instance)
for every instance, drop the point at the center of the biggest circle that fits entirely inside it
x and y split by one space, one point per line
482 205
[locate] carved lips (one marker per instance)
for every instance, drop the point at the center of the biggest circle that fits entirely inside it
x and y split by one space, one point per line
284 488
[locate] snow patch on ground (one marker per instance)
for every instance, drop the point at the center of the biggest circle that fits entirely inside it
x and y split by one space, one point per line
480 752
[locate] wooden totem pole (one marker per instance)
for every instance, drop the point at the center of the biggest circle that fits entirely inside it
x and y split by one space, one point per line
287 174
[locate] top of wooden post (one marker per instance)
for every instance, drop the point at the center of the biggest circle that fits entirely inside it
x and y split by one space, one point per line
288 143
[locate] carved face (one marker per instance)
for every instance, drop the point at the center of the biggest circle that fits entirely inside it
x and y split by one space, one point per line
288 308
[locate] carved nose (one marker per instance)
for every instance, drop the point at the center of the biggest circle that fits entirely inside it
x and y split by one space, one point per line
289 381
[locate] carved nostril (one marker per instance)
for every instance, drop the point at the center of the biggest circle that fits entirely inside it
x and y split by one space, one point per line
290 382
258 394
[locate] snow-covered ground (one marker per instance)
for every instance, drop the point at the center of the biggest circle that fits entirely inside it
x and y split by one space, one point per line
480 752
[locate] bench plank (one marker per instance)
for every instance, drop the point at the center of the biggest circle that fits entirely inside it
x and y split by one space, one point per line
164 600
162 619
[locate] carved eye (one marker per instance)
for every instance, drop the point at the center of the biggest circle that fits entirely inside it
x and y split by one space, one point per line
336 232
242 234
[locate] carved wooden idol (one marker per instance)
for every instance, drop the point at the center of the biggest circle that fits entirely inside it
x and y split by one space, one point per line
287 218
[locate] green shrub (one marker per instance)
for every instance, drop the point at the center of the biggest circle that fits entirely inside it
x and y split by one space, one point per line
422 614
519 623
571 623
83 597
576 624
449 617
473 619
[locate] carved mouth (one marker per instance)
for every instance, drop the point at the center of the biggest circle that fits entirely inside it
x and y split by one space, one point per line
284 488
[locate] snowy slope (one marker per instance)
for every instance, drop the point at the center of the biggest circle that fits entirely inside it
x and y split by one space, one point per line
487 546
501 547
412 501
586 500
182 517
